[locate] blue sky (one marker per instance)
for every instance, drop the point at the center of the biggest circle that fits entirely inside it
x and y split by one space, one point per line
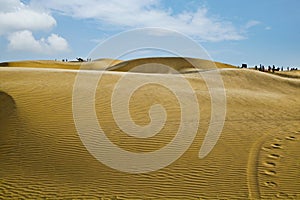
232 31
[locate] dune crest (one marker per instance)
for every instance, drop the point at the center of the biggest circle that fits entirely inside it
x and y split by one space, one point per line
153 65
98 64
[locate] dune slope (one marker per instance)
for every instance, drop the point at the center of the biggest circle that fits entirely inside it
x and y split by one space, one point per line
42 156
94 65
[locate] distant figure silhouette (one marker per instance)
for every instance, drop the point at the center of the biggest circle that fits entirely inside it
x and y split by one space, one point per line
80 60
244 65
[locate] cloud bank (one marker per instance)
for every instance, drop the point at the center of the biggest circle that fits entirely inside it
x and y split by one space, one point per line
147 13
25 41
18 22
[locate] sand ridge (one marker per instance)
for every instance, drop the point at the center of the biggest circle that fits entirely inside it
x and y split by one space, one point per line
42 155
180 64
98 64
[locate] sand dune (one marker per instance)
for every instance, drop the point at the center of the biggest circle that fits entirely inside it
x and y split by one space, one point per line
42 156
289 74
153 65
95 65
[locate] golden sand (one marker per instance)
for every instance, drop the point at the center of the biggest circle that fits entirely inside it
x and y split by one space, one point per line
95 65
153 65
42 156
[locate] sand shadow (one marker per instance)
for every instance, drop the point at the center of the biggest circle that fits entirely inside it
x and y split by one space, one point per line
7 106
4 64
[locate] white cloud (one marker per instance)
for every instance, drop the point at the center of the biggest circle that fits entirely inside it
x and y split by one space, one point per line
252 23
25 41
19 20
16 16
142 13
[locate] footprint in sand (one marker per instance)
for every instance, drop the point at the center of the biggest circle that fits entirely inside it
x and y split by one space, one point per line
274 156
270 164
270 184
270 172
276 146
276 165
290 138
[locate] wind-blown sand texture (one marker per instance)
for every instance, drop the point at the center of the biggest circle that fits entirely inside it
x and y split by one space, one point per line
42 156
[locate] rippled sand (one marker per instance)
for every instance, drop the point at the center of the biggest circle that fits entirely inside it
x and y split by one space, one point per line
42 156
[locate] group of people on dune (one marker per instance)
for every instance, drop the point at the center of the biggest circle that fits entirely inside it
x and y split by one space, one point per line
269 68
